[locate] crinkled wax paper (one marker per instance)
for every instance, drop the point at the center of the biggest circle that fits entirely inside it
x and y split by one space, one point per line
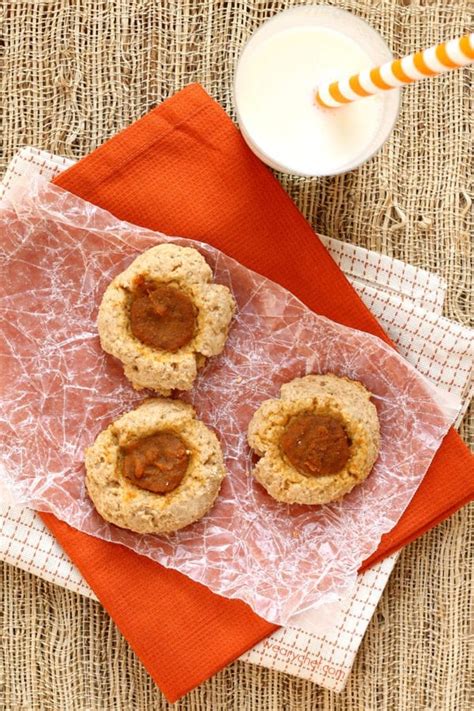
59 390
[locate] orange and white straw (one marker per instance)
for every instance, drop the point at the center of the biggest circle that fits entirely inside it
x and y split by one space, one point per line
433 61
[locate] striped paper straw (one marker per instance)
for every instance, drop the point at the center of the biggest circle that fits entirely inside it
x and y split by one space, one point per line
433 61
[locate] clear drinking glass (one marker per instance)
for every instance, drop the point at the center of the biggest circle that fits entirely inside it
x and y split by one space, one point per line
275 78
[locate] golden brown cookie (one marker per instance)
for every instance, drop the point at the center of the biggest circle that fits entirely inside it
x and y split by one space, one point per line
318 441
156 469
163 316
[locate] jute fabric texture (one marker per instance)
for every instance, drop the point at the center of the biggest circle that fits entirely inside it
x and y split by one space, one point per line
77 71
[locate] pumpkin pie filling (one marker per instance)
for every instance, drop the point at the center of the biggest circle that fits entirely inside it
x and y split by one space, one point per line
161 316
156 463
316 445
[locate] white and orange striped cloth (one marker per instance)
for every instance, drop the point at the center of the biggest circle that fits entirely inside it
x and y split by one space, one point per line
391 75
319 645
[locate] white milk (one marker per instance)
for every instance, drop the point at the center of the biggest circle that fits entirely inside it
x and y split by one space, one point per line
274 91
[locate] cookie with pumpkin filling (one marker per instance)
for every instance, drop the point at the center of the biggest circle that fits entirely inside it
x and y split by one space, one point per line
316 442
156 469
163 316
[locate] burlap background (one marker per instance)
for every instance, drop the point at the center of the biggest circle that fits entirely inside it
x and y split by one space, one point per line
79 70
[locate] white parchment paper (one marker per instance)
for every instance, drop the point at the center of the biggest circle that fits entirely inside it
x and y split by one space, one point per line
58 390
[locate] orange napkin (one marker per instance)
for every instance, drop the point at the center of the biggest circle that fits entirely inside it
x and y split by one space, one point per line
184 170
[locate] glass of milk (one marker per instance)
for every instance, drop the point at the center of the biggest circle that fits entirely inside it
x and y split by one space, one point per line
277 74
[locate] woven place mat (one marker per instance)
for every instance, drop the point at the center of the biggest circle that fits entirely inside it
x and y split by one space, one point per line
78 72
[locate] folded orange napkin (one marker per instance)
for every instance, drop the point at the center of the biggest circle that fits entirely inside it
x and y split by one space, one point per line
184 169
